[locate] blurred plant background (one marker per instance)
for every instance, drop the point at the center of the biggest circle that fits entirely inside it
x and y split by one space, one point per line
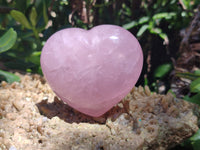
25 25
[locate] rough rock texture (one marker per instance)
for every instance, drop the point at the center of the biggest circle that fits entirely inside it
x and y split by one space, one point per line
31 117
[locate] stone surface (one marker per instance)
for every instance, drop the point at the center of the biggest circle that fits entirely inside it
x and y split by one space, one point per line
32 118
92 70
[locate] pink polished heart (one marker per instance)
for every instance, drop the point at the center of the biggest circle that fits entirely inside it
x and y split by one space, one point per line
92 70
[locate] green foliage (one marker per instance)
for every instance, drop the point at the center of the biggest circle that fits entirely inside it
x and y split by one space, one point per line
162 70
7 40
162 12
29 21
195 140
188 75
186 4
151 23
33 16
45 17
21 18
9 77
194 86
195 90
193 97
162 19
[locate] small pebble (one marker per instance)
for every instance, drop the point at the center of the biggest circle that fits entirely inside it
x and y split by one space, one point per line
18 105
12 148
13 85
44 119
28 99
120 105
147 90
3 84
11 116
45 98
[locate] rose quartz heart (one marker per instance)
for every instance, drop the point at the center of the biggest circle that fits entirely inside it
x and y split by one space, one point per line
92 70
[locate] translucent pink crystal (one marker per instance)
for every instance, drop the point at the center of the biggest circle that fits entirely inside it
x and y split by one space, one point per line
92 70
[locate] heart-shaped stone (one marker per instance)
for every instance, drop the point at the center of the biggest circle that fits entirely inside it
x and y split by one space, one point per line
92 70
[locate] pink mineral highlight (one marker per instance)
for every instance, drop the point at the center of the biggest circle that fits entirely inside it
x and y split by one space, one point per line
92 70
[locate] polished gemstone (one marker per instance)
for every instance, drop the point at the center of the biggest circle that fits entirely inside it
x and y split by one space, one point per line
92 70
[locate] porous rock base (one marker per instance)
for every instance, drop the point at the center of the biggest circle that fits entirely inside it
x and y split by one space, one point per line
32 117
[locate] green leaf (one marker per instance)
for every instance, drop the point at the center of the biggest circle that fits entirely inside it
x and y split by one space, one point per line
156 30
8 40
195 86
194 99
197 72
185 4
35 58
130 25
45 12
143 20
159 32
33 16
21 18
162 70
196 136
142 30
188 75
163 15
164 36
170 15
135 23
9 77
